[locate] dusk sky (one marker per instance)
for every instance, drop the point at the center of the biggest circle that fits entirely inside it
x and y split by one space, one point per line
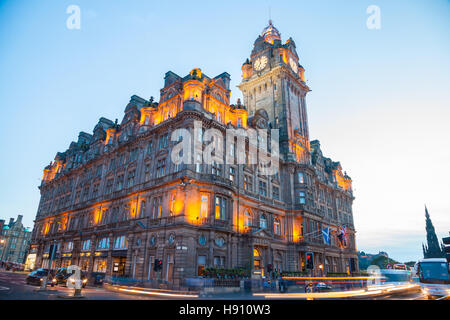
380 99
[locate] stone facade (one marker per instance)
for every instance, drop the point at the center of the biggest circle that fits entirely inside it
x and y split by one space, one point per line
15 240
114 201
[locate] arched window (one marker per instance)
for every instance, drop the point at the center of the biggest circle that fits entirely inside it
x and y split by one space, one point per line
263 221
277 226
247 219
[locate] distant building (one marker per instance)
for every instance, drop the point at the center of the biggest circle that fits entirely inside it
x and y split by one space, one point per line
14 240
433 249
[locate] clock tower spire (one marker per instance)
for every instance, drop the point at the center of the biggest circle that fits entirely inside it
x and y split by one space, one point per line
273 81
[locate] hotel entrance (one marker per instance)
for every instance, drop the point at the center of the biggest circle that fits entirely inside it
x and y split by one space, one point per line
258 263
118 266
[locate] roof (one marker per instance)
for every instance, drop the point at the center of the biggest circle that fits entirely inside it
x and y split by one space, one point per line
433 260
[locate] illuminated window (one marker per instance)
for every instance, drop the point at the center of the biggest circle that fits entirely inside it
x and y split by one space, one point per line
86 245
232 173
204 207
248 183
301 197
103 243
247 219
157 208
201 263
121 242
277 226
301 177
221 208
142 209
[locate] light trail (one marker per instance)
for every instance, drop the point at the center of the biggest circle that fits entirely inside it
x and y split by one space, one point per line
174 295
337 294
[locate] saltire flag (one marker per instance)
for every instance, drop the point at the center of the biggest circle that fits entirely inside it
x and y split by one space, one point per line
326 235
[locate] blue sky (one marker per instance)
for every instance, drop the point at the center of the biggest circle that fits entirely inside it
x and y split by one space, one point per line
379 100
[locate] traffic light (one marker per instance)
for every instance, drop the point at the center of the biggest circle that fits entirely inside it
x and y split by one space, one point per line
157 265
309 260
269 268
446 241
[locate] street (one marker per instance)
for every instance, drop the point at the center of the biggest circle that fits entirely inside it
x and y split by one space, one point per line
13 287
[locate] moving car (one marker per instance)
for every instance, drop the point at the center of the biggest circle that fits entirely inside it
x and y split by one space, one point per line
36 277
62 275
322 287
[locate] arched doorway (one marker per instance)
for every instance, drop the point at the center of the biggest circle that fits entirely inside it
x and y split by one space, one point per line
258 262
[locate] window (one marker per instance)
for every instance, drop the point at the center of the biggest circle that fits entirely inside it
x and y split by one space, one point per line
161 168
142 209
263 221
109 186
247 219
86 245
164 141
276 193
277 226
301 197
248 183
95 190
232 173
219 262
69 246
204 207
103 243
150 147
201 263
147 172
119 184
221 208
121 242
130 178
216 168
104 216
301 177
156 213
263 188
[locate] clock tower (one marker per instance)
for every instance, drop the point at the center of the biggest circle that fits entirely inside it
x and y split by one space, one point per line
273 87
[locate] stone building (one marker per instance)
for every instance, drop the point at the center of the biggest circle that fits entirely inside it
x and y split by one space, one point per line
115 201
14 240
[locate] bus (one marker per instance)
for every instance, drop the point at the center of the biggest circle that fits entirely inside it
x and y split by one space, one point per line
399 266
434 277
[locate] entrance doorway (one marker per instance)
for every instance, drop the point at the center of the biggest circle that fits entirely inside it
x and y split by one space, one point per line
258 262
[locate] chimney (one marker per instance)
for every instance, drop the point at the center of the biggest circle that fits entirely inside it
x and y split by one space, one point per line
19 218
11 221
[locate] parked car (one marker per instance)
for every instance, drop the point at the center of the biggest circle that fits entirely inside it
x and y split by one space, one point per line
36 277
62 275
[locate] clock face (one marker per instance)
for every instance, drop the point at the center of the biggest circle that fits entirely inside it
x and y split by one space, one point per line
260 63
293 65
